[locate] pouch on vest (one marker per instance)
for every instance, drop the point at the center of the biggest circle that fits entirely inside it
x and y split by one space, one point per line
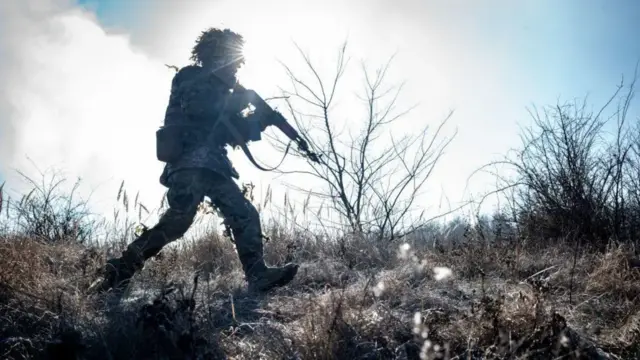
169 143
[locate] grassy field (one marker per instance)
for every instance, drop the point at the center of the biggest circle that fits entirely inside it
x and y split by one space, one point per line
353 298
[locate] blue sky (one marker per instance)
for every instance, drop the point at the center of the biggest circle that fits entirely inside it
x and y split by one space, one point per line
119 13
488 60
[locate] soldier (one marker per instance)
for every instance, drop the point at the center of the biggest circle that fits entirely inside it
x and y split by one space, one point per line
192 143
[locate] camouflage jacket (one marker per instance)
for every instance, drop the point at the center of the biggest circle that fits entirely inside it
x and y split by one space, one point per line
197 99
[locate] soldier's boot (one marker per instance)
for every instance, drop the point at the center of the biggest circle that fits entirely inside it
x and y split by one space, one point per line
260 277
119 271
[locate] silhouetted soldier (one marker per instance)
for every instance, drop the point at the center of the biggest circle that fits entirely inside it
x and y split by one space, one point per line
192 143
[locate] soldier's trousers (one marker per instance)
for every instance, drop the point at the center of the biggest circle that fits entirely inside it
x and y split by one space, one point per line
187 189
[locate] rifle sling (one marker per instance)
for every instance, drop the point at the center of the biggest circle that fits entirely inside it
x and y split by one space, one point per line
242 143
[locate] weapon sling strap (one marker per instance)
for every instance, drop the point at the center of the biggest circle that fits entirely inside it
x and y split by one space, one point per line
241 142
224 118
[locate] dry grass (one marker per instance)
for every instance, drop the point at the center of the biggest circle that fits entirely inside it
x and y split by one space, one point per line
191 303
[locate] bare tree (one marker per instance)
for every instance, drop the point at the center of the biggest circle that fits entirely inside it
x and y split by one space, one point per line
371 176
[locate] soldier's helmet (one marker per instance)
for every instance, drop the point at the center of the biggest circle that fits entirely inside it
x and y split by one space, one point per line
215 45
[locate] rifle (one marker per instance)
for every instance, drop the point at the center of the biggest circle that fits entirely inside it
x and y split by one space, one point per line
279 121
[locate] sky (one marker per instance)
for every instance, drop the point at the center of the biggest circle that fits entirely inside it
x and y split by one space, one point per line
85 84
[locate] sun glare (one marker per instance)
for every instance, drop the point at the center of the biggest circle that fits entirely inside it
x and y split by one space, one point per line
266 49
261 66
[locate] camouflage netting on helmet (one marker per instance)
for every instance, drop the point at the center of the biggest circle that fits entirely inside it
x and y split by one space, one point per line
215 42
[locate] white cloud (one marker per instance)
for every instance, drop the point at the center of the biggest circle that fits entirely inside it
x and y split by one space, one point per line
79 99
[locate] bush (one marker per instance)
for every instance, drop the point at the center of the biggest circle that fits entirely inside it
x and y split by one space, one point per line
576 180
48 213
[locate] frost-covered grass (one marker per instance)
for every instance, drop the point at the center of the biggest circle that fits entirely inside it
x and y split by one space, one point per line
367 300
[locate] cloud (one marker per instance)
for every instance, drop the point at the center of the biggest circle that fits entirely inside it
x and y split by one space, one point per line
78 98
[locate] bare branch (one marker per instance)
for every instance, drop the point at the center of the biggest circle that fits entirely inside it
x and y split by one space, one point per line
370 177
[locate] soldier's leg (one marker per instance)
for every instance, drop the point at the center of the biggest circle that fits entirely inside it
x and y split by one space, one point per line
186 191
244 221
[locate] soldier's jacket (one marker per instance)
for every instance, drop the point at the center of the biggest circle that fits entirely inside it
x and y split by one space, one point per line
197 99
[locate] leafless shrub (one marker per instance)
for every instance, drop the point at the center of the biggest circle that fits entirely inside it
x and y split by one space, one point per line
575 175
370 174
49 213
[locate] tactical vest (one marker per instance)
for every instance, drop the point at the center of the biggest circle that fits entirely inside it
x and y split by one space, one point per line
196 100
